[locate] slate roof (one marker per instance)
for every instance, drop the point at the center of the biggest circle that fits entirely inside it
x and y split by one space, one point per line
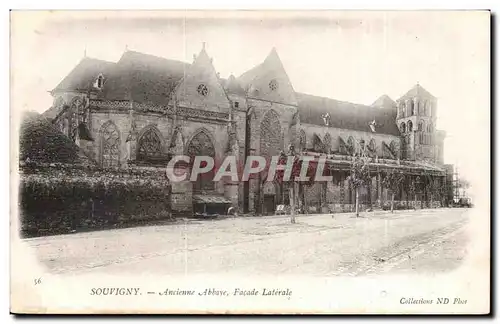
346 115
143 78
84 74
150 79
53 112
417 91
232 85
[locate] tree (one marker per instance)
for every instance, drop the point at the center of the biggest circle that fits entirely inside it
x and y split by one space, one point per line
359 175
430 187
293 182
436 189
412 189
279 176
392 180
441 191
463 184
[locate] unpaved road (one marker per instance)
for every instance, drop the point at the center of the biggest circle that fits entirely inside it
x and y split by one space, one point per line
318 245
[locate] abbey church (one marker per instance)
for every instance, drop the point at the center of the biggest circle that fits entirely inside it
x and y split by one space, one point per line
142 110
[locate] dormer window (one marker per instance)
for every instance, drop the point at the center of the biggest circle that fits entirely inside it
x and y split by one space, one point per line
99 82
236 104
326 119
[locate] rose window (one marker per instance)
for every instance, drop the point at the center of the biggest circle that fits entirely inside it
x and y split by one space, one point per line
273 85
203 90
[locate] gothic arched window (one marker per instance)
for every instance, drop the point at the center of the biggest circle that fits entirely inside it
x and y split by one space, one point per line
317 144
327 142
401 109
350 146
110 145
403 128
371 146
421 126
76 114
201 145
394 148
428 108
409 108
270 135
149 145
410 126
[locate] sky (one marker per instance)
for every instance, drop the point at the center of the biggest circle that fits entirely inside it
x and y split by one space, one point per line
353 56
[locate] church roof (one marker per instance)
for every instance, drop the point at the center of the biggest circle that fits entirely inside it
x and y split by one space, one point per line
84 74
231 85
247 77
149 79
346 115
271 61
53 112
417 91
384 101
143 78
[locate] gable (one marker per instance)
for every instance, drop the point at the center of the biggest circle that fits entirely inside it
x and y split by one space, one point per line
269 81
201 88
384 101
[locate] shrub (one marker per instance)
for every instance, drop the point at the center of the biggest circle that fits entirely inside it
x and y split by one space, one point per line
56 199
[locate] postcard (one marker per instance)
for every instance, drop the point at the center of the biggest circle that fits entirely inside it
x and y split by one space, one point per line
250 162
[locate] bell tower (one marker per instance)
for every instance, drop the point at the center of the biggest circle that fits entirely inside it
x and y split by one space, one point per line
416 119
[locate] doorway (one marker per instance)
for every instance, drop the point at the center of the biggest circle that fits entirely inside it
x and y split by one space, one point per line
269 205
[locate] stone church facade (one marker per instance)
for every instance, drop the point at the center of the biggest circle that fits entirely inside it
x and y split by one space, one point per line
143 109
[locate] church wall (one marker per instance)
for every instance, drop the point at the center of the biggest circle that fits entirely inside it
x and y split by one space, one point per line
239 116
285 113
218 135
321 131
260 108
202 73
161 122
67 97
121 120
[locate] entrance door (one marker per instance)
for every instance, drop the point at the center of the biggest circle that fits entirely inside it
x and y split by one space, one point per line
269 205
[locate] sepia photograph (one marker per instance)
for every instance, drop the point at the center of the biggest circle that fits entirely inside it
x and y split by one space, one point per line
250 162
